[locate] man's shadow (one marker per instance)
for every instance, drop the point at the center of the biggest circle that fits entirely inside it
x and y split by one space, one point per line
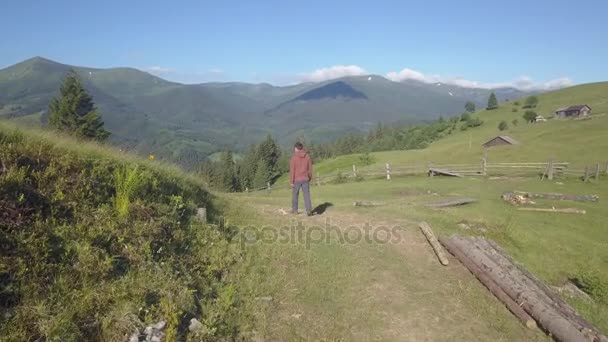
321 208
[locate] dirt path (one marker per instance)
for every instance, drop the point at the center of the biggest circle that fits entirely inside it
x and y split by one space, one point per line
395 291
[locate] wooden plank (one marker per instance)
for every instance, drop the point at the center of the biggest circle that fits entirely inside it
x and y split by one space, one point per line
434 171
556 210
430 237
451 203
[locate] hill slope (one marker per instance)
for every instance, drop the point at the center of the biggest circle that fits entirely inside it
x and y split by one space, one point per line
580 142
189 122
95 245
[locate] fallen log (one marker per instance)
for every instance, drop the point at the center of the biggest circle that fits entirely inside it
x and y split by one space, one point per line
517 310
428 233
556 210
558 196
368 204
498 255
549 319
451 203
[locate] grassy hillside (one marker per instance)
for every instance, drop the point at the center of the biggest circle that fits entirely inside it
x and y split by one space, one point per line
96 244
578 142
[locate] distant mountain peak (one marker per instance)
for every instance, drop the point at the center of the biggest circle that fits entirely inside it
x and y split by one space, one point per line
331 90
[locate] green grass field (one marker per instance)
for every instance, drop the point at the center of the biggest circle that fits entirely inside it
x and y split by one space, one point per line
329 284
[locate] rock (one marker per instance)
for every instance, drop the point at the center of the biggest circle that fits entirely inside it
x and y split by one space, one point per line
148 331
464 226
134 337
160 325
195 325
155 339
201 214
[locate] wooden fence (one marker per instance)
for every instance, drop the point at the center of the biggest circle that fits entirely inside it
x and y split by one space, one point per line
545 170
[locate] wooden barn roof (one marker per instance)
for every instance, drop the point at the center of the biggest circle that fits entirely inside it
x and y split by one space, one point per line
505 138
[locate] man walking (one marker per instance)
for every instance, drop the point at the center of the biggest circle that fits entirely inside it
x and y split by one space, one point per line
300 174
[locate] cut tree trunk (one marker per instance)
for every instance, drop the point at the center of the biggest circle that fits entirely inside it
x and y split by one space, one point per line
490 284
502 258
428 233
550 319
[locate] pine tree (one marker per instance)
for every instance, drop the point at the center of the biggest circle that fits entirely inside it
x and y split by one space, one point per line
248 167
469 107
228 181
492 102
74 111
269 152
262 175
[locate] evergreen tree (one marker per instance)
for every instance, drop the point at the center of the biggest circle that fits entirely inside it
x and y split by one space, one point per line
74 111
263 174
248 167
228 181
530 116
269 152
469 107
492 102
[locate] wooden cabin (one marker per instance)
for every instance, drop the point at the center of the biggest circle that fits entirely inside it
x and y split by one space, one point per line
573 111
500 140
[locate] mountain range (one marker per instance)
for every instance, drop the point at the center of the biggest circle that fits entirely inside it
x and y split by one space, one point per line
191 121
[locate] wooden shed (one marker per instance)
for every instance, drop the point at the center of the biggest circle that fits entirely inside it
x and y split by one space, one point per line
500 140
573 111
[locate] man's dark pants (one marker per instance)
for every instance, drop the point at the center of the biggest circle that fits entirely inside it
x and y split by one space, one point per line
296 193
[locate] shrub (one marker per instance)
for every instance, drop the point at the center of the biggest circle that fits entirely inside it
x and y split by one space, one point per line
530 116
503 125
516 103
515 122
366 159
514 110
531 102
127 182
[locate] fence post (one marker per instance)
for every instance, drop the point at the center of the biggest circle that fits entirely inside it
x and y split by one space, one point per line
586 177
431 174
484 164
354 171
597 171
268 186
550 169
388 172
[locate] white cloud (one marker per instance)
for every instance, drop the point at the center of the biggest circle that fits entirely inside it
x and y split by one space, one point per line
157 70
523 82
333 72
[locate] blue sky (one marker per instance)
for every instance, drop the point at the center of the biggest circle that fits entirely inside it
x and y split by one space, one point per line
483 43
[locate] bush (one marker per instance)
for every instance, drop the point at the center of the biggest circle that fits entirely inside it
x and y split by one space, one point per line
340 179
465 117
503 125
516 103
515 122
366 159
514 110
531 102
592 284
530 116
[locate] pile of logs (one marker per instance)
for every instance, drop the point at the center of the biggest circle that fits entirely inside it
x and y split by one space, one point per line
524 295
551 196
